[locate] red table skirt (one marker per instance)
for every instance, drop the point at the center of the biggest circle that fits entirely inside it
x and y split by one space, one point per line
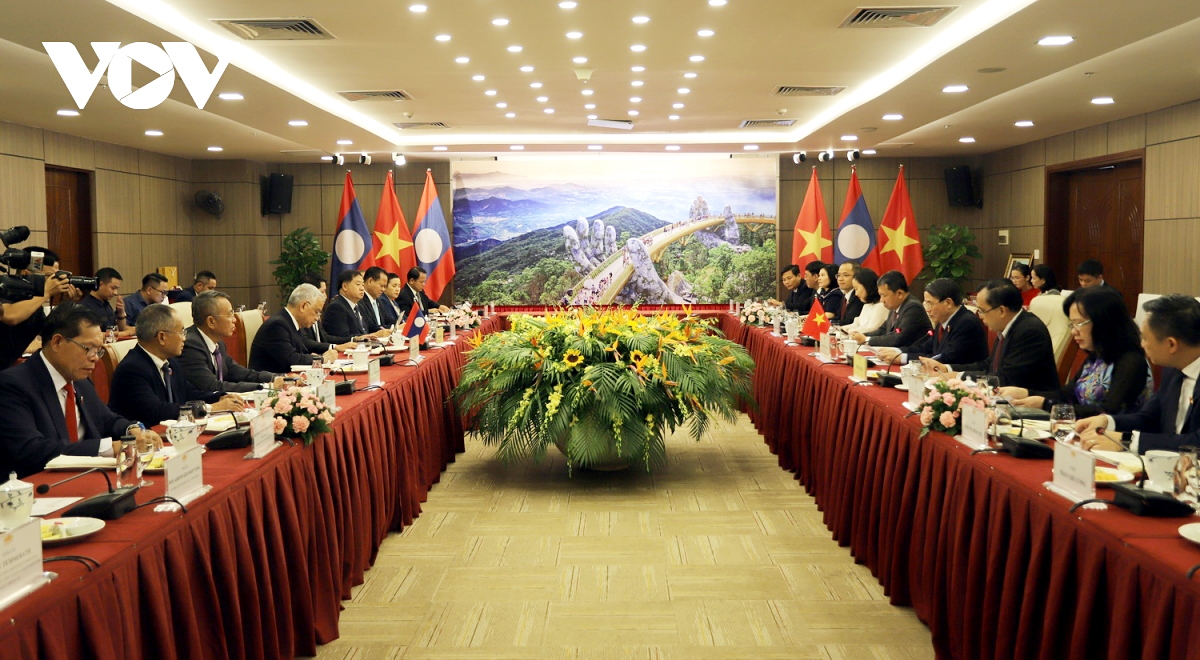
988 558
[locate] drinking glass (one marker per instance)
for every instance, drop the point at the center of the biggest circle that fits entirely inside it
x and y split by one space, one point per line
125 451
1004 417
187 414
989 384
199 410
1062 422
143 449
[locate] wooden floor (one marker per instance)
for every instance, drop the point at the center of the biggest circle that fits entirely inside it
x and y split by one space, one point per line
718 555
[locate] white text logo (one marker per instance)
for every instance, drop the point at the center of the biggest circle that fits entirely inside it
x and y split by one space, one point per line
118 60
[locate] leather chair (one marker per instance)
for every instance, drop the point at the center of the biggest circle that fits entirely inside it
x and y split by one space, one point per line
102 374
184 310
1048 308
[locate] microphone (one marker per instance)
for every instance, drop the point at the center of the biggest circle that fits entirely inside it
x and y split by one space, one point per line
42 489
109 505
347 384
886 379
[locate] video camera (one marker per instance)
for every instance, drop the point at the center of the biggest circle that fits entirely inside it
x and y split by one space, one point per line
18 288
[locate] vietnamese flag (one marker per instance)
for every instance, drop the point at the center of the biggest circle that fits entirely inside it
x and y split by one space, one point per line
811 242
432 240
392 248
817 322
898 244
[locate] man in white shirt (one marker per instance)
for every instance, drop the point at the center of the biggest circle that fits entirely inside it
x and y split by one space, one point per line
1171 418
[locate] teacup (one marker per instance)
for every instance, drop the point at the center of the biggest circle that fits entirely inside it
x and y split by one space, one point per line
183 436
16 502
1160 467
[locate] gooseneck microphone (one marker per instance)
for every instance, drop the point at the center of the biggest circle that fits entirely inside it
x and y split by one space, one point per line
109 505
42 489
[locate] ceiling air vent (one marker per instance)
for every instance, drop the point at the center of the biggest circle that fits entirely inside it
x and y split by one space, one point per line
793 90
303 153
761 123
420 124
377 95
896 17
275 29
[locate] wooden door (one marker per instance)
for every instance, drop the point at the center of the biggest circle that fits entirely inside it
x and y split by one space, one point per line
69 219
1105 223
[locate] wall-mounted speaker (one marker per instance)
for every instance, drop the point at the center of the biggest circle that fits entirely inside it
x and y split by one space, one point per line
277 193
959 191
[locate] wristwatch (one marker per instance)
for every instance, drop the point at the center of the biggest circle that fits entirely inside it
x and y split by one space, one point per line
135 425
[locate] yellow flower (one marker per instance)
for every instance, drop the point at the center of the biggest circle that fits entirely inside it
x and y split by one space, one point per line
725 360
637 357
572 358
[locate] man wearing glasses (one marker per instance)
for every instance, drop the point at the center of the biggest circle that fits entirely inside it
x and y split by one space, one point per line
206 361
957 336
153 291
1023 355
149 385
48 406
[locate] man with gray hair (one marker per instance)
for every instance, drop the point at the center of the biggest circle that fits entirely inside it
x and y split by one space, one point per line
149 385
206 361
279 346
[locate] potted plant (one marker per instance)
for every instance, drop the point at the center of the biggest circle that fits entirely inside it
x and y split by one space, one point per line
605 386
301 254
949 250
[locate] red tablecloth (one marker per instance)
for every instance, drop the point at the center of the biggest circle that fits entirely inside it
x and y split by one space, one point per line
988 558
258 567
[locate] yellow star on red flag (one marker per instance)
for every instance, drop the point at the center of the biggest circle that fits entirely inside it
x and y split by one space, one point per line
390 244
897 240
814 243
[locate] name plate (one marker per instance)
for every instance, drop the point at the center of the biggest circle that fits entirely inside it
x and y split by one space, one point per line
860 367
824 346
974 427
414 350
327 391
20 560
1074 472
916 391
373 377
775 327
185 474
262 433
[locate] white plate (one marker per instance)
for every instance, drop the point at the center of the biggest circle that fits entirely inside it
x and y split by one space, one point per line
1191 532
1028 433
74 529
1119 476
902 387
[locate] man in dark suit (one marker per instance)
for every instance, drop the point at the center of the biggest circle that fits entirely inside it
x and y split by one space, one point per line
149 385
374 282
1171 418
907 322
279 344
958 335
344 317
206 362
851 305
389 311
108 289
797 296
48 406
1023 355
1090 272
415 291
205 281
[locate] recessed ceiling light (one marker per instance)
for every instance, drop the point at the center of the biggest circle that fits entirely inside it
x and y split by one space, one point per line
535 85
1055 41
868 152
516 147
637 83
673 117
567 5
574 35
689 74
490 92
230 96
417 9
1103 100
514 49
442 37
215 149
462 60
955 89
672 147
635 99
153 133
893 117
706 33
696 58
641 19
716 3
1024 123
579 60
966 140
501 105
510 115
68 113
548 111
527 69
345 141
637 69
500 22
589 106
543 99
684 90
326 158
477 77
592 116
297 122
677 106
637 48
439 148
750 147
633 113
849 138
587 92
595 147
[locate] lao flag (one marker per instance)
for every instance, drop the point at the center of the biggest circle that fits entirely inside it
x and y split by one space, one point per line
351 240
415 325
810 242
817 322
432 240
392 249
899 244
855 234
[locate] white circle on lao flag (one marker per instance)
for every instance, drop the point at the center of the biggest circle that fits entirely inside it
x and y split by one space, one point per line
429 246
419 322
853 241
349 247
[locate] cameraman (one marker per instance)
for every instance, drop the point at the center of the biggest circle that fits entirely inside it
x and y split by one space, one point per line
22 321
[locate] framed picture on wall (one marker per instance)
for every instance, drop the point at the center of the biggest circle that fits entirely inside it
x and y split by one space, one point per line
1015 258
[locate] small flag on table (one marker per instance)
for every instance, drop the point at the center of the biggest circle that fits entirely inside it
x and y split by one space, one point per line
817 322
352 238
415 325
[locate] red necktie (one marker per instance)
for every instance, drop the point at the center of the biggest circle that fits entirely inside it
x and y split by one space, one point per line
845 304
996 354
941 332
72 420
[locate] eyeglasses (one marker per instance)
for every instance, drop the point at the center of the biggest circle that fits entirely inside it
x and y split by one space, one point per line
981 312
1079 325
181 333
93 353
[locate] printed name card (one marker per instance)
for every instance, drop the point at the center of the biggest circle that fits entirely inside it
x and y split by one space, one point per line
1074 472
775 327
824 347
185 474
974 427
373 377
328 393
916 391
262 432
20 560
860 367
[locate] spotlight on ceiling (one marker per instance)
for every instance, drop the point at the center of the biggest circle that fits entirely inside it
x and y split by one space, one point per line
339 159
799 157
364 158
853 155
825 156
398 159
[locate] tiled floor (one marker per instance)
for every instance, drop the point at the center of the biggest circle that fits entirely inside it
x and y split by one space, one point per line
719 555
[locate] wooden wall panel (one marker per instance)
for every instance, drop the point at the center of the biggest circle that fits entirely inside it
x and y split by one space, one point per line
1091 142
69 151
126 255
159 206
306 210
22 192
1127 134
1173 266
1174 123
118 206
1028 197
116 157
1060 149
20 140
1173 180
1030 154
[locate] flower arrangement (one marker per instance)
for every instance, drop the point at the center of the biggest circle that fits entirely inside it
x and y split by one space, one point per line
461 316
941 409
759 313
300 413
606 386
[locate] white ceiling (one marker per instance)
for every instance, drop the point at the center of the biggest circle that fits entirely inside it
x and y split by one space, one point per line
1140 53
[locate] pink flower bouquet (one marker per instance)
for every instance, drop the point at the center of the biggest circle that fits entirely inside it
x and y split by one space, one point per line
941 409
300 414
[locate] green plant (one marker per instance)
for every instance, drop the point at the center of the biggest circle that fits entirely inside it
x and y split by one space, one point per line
605 386
949 250
301 254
